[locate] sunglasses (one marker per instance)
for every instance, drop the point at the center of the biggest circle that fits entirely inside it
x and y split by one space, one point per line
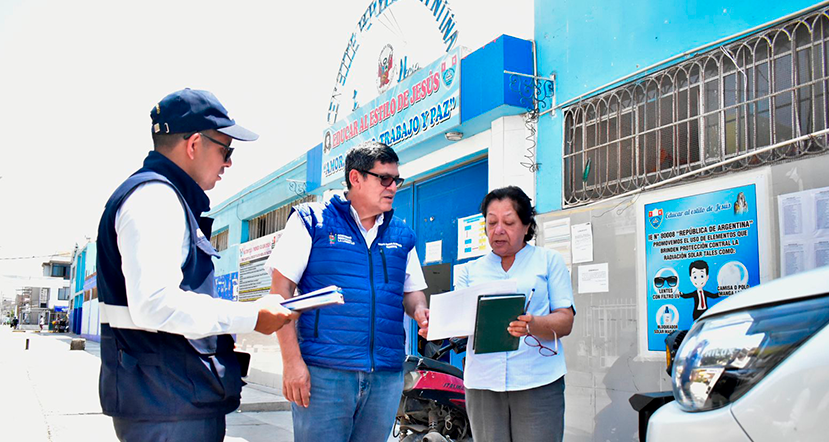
227 148
660 281
386 180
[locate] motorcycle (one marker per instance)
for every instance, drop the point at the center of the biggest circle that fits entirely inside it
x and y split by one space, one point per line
433 405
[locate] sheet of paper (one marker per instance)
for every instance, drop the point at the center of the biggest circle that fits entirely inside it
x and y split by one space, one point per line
821 257
434 251
821 210
593 278
791 214
452 314
794 259
557 237
557 230
582 239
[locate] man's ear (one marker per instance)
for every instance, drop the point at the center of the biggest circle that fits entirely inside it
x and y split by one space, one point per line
190 145
355 177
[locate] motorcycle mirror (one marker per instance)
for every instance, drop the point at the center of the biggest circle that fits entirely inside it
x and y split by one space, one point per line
430 349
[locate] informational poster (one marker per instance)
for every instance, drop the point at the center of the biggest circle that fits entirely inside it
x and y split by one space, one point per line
254 281
557 237
804 230
699 250
472 241
227 286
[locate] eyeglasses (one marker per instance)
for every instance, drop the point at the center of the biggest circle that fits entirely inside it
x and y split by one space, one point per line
543 350
386 180
660 281
227 148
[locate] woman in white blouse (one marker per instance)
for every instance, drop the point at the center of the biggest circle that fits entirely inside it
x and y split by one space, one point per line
519 395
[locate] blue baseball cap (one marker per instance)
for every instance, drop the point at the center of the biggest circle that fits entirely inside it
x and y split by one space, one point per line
190 110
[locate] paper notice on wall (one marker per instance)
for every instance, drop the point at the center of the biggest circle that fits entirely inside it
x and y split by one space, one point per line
593 278
472 241
254 281
821 253
804 230
434 251
794 258
582 240
557 237
791 215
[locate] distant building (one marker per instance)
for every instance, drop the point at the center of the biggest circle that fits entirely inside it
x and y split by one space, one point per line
46 296
83 308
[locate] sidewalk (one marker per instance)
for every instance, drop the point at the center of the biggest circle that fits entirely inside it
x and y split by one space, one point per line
51 394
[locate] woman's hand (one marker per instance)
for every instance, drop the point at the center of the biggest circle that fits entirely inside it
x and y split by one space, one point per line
520 327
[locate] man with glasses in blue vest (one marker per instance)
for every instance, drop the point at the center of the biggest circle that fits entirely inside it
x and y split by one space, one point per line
343 365
168 368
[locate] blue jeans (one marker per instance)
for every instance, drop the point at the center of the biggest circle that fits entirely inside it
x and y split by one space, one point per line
350 406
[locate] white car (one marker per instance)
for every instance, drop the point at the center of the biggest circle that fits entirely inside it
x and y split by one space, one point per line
754 368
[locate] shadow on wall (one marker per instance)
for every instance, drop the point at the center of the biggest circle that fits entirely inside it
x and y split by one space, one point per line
618 422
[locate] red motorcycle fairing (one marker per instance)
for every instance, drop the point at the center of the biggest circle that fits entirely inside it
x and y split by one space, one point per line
431 380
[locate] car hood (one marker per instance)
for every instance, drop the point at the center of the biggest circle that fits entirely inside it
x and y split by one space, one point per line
801 285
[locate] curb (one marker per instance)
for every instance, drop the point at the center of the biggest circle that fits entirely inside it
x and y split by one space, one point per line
283 405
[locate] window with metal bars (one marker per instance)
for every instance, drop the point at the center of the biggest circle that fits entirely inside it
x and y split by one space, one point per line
719 111
219 240
274 220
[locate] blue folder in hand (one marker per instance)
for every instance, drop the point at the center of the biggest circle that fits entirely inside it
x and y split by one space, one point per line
331 295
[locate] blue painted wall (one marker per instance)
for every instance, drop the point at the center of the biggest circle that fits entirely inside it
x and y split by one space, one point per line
589 43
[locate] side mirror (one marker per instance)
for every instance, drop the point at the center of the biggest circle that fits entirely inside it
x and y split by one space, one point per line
430 349
672 343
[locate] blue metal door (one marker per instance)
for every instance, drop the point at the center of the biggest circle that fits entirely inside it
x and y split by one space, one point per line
432 208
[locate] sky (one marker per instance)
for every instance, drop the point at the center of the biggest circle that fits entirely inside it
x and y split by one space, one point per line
79 79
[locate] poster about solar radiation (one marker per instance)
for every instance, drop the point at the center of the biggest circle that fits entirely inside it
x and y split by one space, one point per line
699 250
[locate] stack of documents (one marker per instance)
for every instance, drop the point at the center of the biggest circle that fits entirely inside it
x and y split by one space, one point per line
331 295
452 314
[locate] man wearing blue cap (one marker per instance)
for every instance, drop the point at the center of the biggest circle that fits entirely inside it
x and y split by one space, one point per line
168 369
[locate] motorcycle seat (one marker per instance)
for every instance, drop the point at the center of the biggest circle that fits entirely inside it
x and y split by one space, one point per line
439 366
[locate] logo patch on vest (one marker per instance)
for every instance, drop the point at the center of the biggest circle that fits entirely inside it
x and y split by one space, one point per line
344 239
331 238
390 245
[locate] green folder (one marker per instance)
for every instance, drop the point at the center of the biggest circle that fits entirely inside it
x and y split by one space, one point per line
495 312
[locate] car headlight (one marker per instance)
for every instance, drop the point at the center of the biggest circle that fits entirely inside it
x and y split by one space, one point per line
722 357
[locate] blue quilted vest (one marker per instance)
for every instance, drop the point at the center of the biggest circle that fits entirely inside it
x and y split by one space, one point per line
151 375
366 333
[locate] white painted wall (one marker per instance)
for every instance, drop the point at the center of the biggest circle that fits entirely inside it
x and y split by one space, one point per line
507 152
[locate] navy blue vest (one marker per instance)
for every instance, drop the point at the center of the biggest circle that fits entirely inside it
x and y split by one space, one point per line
149 375
366 333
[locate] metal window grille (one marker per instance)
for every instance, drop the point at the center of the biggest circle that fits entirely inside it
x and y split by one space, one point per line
274 220
759 91
219 240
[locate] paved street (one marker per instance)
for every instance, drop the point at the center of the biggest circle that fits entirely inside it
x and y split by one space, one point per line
50 394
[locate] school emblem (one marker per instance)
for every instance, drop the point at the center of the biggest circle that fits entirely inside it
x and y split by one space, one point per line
385 68
655 218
